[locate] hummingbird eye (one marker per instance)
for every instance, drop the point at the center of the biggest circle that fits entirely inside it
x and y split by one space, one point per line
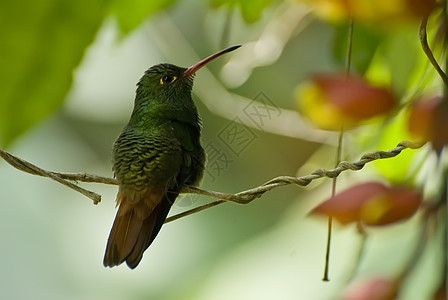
167 79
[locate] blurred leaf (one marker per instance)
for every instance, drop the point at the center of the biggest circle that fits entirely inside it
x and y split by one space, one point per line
42 42
132 13
365 43
401 52
251 10
387 136
378 13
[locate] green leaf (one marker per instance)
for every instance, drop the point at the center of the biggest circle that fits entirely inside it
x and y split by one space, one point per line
251 10
365 43
41 43
384 136
402 51
132 13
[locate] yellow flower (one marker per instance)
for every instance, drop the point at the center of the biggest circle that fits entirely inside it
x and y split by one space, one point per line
375 12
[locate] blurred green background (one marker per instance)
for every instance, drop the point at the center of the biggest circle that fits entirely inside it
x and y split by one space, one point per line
62 105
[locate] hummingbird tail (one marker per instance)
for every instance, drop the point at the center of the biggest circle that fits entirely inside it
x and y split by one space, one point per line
134 230
149 231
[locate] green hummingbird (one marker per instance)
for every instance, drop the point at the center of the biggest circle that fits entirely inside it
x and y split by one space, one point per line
158 152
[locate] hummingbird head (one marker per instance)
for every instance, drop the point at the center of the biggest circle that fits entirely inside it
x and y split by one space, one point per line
166 82
164 92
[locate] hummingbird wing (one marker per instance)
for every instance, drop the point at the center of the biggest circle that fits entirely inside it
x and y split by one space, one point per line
147 171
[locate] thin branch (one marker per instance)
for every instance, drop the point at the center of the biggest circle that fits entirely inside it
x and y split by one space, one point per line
243 197
84 177
195 210
428 52
333 187
251 194
27 167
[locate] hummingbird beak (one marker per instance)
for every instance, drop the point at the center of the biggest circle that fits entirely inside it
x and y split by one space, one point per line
191 70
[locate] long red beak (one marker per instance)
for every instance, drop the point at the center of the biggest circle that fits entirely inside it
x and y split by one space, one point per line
191 70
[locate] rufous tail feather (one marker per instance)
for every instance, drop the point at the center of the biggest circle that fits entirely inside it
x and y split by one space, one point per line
133 231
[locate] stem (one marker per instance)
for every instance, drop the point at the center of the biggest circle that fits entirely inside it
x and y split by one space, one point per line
330 219
360 252
428 52
338 154
349 48
327 251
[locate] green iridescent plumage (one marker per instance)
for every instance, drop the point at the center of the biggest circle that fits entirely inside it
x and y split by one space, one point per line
157 153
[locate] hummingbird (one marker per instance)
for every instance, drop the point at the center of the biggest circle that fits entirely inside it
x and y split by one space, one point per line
158 152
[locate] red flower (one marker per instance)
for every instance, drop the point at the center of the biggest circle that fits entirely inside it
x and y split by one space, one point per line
372 203
428 121
333 101
372 289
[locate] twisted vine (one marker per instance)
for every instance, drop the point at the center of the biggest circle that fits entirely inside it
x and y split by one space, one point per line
71 179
